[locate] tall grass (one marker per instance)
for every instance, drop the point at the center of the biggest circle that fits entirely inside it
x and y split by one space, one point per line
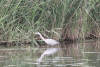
65 19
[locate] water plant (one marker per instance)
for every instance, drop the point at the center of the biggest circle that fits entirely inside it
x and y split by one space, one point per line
57 19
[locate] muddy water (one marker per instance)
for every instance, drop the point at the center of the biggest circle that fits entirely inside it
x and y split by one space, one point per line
85 54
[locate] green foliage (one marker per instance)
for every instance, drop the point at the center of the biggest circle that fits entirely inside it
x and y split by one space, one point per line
19 19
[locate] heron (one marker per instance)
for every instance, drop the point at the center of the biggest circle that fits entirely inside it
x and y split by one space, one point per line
51 42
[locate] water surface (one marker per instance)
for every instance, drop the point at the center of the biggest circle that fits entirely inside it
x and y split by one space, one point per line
85 54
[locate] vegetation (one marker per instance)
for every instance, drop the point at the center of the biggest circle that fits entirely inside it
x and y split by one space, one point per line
64 19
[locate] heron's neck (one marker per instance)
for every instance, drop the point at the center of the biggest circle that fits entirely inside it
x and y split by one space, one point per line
42 37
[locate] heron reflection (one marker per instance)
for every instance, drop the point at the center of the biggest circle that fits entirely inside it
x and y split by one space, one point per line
49 51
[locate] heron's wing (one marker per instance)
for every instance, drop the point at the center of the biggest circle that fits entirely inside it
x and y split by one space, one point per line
51 41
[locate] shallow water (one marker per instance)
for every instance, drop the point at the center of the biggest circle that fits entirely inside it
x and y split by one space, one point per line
66 55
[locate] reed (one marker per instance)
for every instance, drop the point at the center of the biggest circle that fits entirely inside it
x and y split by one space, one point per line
64 19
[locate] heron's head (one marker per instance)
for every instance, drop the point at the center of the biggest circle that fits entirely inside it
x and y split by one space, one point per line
36 33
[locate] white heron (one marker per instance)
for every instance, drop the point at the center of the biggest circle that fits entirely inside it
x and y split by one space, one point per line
51 42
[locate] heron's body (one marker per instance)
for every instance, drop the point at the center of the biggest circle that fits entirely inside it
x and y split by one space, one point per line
51 42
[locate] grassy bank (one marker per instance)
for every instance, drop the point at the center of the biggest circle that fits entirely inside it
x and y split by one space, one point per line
57 19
